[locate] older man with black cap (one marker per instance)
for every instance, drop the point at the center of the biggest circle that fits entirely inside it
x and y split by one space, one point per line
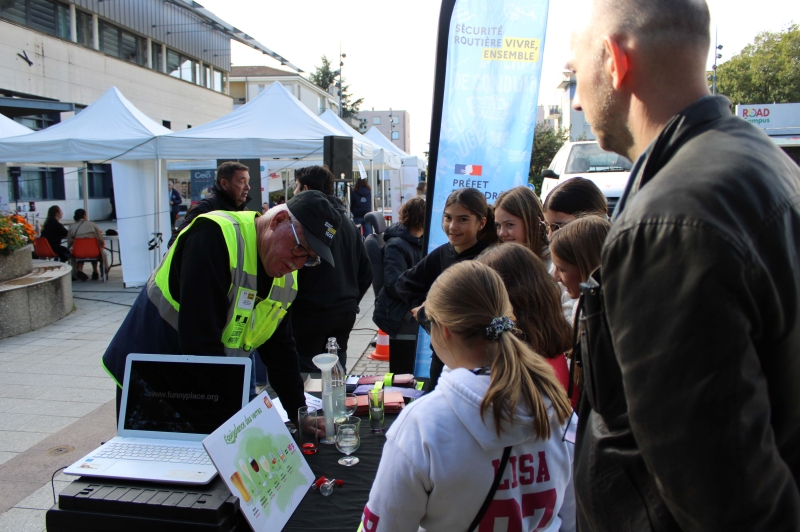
198 300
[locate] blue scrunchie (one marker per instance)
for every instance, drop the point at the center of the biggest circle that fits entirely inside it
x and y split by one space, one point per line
498 326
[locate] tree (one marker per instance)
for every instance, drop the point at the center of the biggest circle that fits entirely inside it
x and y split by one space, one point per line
323 77
547 140
767 71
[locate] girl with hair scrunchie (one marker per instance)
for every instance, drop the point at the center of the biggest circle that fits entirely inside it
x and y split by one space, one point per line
439 460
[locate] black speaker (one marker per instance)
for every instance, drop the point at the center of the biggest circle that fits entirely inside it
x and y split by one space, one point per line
338 157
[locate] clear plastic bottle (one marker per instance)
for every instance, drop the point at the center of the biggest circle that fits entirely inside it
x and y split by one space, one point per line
338 380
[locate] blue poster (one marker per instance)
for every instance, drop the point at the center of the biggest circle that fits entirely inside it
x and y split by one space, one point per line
491 94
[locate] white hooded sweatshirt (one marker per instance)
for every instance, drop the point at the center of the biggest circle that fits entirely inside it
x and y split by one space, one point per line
439 461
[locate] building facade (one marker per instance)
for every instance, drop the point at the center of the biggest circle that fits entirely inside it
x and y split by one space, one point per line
394 124
562 114
170 59
247 82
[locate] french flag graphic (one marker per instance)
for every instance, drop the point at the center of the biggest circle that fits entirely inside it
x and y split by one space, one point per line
469 169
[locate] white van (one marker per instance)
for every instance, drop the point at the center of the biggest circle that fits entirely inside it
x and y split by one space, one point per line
587 159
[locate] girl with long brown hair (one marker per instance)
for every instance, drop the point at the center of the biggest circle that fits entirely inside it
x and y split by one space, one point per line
536 299
442 453
519 219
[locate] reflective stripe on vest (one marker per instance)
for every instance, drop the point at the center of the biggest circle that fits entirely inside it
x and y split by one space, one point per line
249 323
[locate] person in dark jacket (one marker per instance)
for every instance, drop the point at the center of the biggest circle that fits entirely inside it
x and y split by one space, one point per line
327 302
403 250
361 204
175 201
229 193
691 414
53 231
465 216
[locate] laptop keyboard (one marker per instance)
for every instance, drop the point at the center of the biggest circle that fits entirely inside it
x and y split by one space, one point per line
154 453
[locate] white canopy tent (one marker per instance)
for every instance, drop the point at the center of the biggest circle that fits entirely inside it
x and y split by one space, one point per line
10 128
110 129
273 125
403 183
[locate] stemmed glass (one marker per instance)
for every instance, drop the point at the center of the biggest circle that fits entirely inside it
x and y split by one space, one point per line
350 404
348 442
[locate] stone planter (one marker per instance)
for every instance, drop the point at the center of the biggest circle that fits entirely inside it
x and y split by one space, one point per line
17 264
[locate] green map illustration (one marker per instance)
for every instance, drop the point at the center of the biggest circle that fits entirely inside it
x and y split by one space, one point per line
270 467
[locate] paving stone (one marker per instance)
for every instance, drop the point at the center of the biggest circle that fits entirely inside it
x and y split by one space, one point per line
23 520
19 441
5 456
14 420
66 408
42 499
20 391
49 424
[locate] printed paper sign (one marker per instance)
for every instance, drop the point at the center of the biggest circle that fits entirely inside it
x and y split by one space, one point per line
261 464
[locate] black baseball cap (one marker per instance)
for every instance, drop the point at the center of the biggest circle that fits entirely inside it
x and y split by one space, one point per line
319 219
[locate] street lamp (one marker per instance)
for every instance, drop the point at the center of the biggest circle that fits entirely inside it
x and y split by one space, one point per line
717 55
391 125
341 64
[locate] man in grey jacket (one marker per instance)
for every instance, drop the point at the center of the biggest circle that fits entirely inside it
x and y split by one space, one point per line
690 418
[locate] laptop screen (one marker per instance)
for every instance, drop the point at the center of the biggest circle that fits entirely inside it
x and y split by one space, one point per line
185 397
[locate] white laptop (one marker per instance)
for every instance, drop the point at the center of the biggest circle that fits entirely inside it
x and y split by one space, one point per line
170 403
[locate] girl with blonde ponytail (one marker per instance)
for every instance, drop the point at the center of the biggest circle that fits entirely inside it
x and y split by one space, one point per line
443 451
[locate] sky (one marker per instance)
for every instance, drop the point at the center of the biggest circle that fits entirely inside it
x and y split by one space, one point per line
390 46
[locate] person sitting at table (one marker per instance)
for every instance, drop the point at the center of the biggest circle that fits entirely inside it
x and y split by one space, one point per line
500 412
53 231
83 228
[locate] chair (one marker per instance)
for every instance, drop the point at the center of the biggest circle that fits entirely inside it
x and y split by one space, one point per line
374 244
88 249
43 249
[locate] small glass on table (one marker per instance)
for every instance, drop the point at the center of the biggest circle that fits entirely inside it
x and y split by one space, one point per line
376 413
307 435
348 442
349 420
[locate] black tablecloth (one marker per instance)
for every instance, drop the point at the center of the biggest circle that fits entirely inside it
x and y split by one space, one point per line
340 511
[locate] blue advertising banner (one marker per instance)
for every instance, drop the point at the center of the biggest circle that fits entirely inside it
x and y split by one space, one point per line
491 94
488 68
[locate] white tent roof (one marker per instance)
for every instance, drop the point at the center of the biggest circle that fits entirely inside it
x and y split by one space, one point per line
379 155
110 128
273 125
10 128
378 138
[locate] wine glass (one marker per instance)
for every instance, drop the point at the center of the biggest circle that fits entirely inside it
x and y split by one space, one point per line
348 441
350 404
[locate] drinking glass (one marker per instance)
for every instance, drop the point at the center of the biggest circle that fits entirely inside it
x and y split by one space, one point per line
376 410
266 468
348 442
307 435
350 404
349 420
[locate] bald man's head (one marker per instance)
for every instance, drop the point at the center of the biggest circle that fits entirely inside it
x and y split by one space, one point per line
637 63
657 23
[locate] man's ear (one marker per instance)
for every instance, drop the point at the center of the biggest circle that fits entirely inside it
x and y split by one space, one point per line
617 61
280 217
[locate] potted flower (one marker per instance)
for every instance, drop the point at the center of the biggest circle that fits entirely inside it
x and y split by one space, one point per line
16 236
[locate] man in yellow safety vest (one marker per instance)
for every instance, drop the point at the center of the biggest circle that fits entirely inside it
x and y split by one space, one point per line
225 288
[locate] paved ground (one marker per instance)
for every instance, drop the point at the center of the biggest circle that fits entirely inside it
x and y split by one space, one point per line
57 403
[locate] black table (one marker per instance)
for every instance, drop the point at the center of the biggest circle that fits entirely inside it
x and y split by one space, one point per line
100 505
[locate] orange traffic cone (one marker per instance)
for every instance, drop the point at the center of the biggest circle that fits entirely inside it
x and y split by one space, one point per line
382 348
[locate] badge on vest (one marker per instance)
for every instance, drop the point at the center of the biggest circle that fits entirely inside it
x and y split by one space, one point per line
247 300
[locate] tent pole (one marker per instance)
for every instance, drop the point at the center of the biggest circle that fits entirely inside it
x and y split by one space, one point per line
383 190
372 182
85 181
157 225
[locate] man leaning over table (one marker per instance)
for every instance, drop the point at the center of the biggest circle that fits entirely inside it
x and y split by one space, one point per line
197 302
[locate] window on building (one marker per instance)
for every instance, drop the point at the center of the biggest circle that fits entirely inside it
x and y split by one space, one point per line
376 120
46 16
157 56
124 45
395 135
83 21
36 184
261 87
395 120
173 64
217 81
205 80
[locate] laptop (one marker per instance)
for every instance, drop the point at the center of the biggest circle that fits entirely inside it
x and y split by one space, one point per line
170 403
